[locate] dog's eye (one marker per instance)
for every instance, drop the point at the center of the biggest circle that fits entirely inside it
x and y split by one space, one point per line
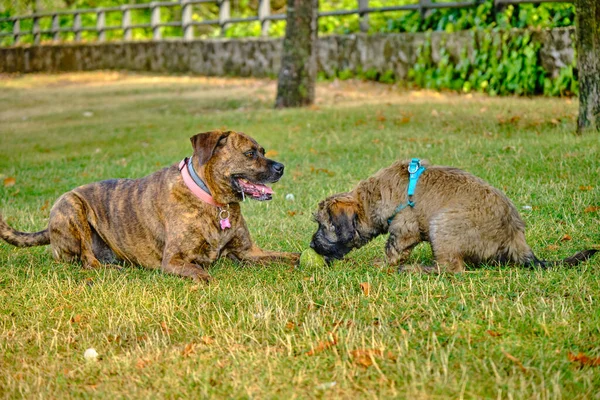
250 153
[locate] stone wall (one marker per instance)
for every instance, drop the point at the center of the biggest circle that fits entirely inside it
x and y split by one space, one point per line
261 57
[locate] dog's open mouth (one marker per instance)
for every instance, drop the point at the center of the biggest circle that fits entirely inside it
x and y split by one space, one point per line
256 191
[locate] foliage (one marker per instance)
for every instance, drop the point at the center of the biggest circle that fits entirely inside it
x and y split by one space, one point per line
351 330
517 71
498 65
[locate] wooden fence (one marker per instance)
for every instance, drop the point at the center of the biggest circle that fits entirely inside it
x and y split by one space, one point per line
187 24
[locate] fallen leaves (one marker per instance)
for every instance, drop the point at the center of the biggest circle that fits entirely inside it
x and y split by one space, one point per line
585 188
10 181
493 333
366 288
367 357
290 325
516 361
142 363
321 170
591 209
584 360
188 350
45 206
207 340
271 153
566 238
165 328
323 345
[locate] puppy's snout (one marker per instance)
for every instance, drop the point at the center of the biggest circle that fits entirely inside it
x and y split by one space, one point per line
277 167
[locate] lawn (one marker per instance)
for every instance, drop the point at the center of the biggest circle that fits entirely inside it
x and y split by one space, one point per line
276 332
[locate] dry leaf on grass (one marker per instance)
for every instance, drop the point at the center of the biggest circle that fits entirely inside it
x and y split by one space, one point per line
324 345
585 188
188 350
207 340
566 238
493 333
165 328
516 361
366 357
45 206
590 209
271 153
366 288
290 325
321 170
583 360
10 181
142 363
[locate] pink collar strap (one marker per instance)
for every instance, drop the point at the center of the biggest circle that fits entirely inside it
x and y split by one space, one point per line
197 190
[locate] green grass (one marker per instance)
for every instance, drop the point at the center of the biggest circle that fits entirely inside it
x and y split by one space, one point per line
488 333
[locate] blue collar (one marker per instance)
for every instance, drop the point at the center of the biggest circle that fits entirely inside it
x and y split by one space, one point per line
415 169
195 176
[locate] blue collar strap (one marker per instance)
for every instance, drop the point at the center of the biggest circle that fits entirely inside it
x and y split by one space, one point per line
415 169
195 176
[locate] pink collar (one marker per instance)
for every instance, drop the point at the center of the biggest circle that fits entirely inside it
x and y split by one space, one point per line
189 182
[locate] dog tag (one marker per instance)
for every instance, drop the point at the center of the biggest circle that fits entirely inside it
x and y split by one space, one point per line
224 218
225 224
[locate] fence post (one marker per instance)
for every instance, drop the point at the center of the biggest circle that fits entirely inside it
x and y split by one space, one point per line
264 10
224 15
100 23
36 30
56 27
77 26
423 8
17 31
154 21
126 23
186 21
363 16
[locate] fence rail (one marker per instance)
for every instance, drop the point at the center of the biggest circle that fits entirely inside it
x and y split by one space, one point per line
186 23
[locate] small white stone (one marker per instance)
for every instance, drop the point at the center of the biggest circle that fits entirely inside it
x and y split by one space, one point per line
290 197
88 114
326 385
527 208
91 354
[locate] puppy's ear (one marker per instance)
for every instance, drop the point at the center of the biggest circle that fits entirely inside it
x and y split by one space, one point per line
205 144
344 218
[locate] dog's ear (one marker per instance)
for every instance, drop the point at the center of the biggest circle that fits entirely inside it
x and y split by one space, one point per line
344 218
205 144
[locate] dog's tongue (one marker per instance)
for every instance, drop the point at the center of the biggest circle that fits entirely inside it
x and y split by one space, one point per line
255 190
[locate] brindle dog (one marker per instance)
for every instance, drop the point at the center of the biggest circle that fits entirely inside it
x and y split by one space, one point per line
157 221
464 219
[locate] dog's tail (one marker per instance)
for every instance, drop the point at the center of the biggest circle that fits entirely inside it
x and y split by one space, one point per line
23 239
569 261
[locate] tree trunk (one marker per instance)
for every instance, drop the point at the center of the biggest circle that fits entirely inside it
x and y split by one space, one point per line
587 22
296 83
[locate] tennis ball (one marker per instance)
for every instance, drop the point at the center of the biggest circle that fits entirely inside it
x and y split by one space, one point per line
309 258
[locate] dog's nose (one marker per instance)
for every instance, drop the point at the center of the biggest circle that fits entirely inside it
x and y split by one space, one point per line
278 167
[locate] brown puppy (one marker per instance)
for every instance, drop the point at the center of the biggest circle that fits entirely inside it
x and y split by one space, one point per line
158 221
464 218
